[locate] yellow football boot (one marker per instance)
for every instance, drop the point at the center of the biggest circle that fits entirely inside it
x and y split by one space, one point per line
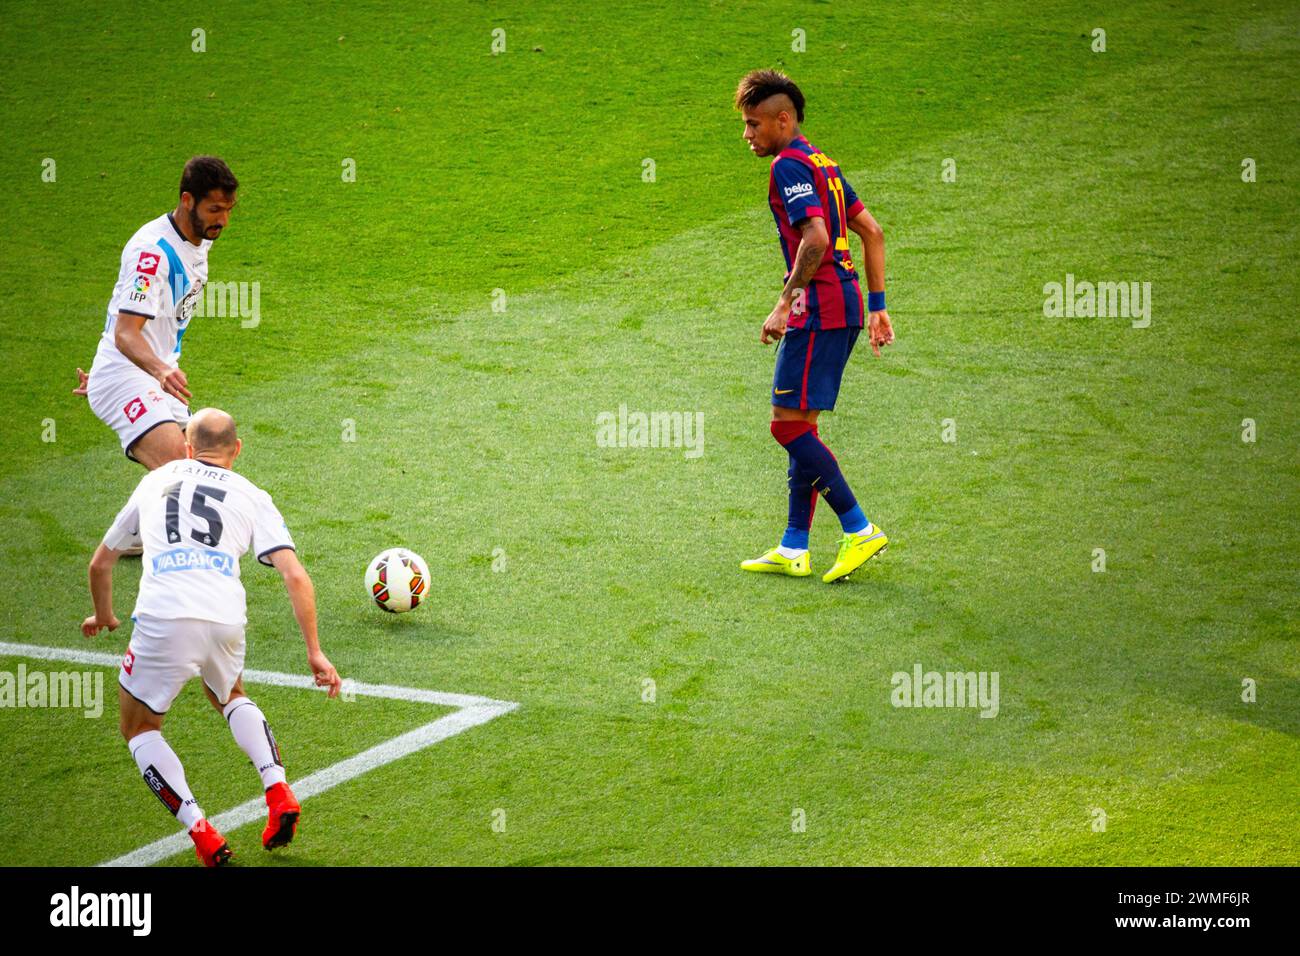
774 563
855 551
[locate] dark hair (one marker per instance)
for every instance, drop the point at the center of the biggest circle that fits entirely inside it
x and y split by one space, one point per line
758 85
203 174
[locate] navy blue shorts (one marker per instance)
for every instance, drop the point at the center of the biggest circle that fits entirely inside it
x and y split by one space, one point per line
809 366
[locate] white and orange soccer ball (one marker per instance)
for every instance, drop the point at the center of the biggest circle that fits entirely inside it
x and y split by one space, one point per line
397 580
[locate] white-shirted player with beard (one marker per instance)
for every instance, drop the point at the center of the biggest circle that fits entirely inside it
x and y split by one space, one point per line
135 385
197 518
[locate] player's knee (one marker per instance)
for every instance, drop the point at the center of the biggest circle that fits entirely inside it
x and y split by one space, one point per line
236 693
159 446
171 450
782 414
134 727
786 430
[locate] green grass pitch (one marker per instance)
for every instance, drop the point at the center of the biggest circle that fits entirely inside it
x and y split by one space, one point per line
567 575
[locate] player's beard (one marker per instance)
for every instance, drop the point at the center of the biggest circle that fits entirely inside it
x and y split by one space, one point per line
200 228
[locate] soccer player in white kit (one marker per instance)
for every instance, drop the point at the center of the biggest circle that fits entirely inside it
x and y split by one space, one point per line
135 385
197 518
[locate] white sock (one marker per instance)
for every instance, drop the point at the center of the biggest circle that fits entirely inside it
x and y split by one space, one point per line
790 553
163 773
253 734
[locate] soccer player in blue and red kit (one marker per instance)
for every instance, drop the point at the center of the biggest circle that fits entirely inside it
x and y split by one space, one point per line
817 318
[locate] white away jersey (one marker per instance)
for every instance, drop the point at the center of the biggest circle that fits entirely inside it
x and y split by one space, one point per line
196 521
161 276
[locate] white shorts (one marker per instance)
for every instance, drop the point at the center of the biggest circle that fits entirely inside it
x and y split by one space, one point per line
131 402
165 653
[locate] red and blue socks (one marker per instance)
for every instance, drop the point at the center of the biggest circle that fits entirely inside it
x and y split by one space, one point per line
803 503
814 469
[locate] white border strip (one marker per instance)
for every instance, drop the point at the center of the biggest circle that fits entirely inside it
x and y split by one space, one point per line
274 678
471 712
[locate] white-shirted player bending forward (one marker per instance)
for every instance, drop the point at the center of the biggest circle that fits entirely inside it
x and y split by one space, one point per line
197 518
135 385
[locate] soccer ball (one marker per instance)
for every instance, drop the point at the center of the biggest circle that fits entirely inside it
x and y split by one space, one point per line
397 580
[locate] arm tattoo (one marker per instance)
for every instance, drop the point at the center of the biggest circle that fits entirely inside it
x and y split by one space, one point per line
806 261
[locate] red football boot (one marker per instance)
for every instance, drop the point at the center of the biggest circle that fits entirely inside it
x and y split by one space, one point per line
282 820
209 845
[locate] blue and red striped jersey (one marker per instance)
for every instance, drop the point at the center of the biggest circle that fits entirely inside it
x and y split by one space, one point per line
805 183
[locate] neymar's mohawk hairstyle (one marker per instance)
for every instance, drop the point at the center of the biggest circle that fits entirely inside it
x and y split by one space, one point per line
758 85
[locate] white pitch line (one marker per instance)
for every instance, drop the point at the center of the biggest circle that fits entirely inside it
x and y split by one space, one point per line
274 678
69 654
322 780
471 712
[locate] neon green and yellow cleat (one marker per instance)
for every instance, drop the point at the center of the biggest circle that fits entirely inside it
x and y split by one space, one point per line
855 551
774 563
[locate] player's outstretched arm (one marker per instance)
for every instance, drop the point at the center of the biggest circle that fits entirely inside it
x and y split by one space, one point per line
302 594
864 224
101 591
128 336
